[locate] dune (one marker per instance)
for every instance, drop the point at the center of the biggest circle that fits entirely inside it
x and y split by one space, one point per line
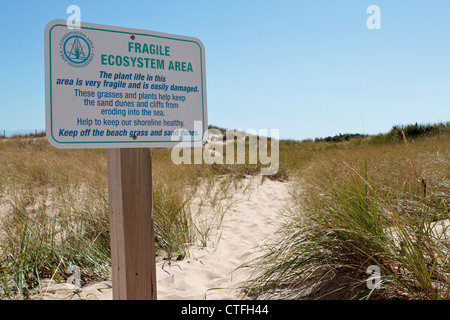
213 272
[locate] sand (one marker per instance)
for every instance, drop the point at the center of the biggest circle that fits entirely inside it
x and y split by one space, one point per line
213 272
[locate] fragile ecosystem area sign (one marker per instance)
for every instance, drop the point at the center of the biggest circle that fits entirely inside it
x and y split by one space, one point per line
112 87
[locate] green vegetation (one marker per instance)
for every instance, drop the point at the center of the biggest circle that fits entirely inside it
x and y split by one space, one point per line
358 201
54 212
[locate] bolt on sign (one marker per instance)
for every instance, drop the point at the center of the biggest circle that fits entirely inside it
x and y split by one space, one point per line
112 87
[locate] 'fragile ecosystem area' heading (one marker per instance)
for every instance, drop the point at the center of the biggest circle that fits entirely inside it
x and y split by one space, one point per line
146 62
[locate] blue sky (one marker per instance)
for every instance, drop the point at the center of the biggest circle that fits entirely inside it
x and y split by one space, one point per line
308 68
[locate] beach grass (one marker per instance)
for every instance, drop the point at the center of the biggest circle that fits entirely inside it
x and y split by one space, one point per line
360 206
54 211
358 201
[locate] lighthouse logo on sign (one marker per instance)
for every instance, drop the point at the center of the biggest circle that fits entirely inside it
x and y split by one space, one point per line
76 49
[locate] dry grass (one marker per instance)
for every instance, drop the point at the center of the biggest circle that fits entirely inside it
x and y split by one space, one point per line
367 201
54 211
360 204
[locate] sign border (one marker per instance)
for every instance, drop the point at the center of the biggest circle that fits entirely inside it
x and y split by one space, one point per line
90 26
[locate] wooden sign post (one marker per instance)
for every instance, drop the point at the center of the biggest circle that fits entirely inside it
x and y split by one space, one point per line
131 224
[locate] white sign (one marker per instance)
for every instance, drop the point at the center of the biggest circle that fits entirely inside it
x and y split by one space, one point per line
111 87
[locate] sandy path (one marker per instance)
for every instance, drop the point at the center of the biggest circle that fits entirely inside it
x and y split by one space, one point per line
212 272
